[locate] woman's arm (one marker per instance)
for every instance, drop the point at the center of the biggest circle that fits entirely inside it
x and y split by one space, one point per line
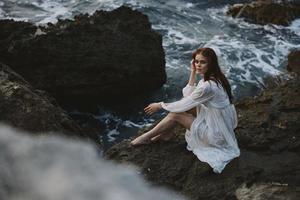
201 94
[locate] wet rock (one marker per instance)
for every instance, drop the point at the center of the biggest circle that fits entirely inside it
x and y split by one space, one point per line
108 57
265 12
23 107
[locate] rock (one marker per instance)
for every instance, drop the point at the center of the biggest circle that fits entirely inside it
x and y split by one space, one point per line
170 164
25 108
266 191
294 62
268 135
264 12
90 60
269 121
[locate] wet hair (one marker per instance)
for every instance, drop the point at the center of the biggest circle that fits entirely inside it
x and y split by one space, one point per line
214 72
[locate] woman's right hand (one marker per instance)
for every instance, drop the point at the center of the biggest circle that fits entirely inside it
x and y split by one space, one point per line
193 67
152 108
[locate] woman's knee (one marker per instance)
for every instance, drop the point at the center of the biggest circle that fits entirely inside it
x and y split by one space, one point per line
177 116
184 118
174 116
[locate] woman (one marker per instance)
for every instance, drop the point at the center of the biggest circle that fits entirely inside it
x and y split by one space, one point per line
206 111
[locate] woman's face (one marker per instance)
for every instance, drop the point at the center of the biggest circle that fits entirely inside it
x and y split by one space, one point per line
201 64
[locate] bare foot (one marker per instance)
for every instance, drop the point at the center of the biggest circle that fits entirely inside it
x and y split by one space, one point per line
164 137
140 140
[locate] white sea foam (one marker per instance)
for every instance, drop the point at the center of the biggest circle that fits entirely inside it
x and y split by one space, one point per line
246 57
256 57
105 116
295 27
108 4
129 123
178 37
1 13
56 168
173 64
189 5
44 11
111 134
54 10
114 124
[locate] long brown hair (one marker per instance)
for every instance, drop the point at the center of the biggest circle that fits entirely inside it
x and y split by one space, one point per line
214 72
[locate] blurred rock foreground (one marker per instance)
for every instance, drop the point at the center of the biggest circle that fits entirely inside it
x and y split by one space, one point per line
57 168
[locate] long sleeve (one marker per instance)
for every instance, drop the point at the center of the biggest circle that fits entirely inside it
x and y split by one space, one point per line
187 90
202 93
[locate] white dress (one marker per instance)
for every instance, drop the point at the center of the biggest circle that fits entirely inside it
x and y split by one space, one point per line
211 137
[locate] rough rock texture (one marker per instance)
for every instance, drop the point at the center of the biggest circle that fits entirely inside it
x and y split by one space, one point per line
33 110
294 62
268 168
267 191
92 59
264 12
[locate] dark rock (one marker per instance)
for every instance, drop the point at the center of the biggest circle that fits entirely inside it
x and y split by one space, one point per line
294 62
25 108
170 164
104 57
264 12
266 191
270 119
268 134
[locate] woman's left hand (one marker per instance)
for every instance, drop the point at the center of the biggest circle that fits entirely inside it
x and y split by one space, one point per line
152 108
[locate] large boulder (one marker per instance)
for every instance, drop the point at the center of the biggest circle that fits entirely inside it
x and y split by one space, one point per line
35 111
268 134
106 57
267 11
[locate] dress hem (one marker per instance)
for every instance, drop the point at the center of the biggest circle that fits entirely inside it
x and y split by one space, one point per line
217 170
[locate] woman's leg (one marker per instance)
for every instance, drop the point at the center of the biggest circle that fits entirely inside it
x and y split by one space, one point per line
185 119
192 111
167 135
166 123
164 136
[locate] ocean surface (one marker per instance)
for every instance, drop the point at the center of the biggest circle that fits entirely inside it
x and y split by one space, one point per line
248 53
